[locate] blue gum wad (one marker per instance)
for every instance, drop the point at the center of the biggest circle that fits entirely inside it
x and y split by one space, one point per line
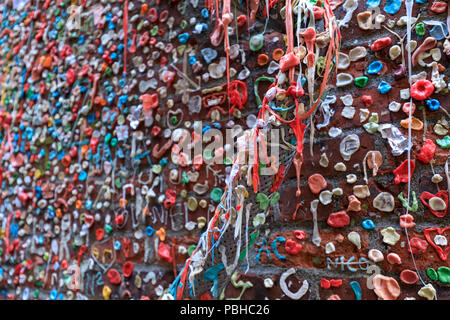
374 67
373 3
384 87
392 6
439 32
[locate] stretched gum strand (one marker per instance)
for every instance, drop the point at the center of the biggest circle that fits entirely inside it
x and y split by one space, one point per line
411 63
309 37
298 161
217 10
290 36
133 45
227 51
447 174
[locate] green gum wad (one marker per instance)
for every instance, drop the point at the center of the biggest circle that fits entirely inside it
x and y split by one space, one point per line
185 178
420 29
444 274
262 200
432 274
361 81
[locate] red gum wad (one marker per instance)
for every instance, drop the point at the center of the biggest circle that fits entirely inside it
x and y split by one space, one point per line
381 44
427 151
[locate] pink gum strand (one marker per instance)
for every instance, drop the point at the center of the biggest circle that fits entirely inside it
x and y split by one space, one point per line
226 13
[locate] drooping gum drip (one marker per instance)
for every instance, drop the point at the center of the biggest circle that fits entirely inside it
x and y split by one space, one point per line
97 77
133 45
447 174
226 13
248 207
289 35
429 43
409 6
298 161
316 239
310 38
240 191
375 168
226 19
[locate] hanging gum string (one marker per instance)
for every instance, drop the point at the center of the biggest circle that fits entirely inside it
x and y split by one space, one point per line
255 174
2 102
333 48
267 18
447 174
299 40
409 6
180 282
210 245
255 178
125 36
248 20
290 36
296 124
375 169
217 10
226 12
254 4
226 19
247 245
77 270
235 22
